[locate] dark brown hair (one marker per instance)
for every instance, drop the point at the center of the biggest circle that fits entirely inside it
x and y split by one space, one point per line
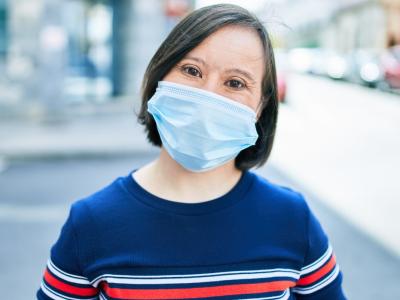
188 34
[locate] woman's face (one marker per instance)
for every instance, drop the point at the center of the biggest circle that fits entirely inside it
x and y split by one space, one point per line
230 62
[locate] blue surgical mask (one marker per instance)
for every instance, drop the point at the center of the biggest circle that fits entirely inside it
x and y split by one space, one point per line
201 130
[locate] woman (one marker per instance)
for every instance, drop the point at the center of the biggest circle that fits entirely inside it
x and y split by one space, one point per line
196 222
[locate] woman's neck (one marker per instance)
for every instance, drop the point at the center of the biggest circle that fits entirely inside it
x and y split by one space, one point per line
165 178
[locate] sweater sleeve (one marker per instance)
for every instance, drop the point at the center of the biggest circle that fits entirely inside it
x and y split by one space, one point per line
63 278
320 276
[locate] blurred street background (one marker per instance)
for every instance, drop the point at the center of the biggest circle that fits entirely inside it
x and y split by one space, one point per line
70 74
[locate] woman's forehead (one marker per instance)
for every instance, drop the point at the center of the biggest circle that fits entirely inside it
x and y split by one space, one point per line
231 46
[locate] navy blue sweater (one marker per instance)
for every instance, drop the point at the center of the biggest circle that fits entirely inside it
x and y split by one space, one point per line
258 241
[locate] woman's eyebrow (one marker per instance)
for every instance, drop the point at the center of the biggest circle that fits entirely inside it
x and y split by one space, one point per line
202 61
242 72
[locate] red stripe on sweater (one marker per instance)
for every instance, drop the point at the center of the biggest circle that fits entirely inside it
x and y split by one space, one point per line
317 275
187 293
66 288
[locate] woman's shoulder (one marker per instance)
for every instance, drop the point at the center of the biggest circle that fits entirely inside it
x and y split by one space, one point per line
101 203
279 196
276 191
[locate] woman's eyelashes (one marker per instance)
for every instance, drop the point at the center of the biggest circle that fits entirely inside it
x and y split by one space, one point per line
191 71
236 84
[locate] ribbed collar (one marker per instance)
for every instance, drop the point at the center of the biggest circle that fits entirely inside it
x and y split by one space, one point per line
226 200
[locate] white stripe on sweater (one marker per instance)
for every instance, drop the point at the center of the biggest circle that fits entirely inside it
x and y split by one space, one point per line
196 278
318 263
284 296
57 296
318 285
66 276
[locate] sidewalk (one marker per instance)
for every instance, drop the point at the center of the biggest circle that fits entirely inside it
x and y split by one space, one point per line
341 141
83 132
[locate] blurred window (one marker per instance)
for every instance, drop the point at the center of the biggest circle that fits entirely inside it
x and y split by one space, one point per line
89 28
3 28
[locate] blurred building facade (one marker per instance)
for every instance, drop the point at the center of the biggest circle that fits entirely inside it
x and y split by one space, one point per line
341 25
71 51
351 26
392 11
54 52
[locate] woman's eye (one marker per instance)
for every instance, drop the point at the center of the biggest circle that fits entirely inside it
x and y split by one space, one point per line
236 84
191 71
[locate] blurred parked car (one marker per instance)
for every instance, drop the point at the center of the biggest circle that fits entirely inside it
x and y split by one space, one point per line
391 67
338 66
365 67
300 59
281 80
319 59
282 68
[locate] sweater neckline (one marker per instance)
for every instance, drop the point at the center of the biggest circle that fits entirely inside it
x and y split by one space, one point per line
234 195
